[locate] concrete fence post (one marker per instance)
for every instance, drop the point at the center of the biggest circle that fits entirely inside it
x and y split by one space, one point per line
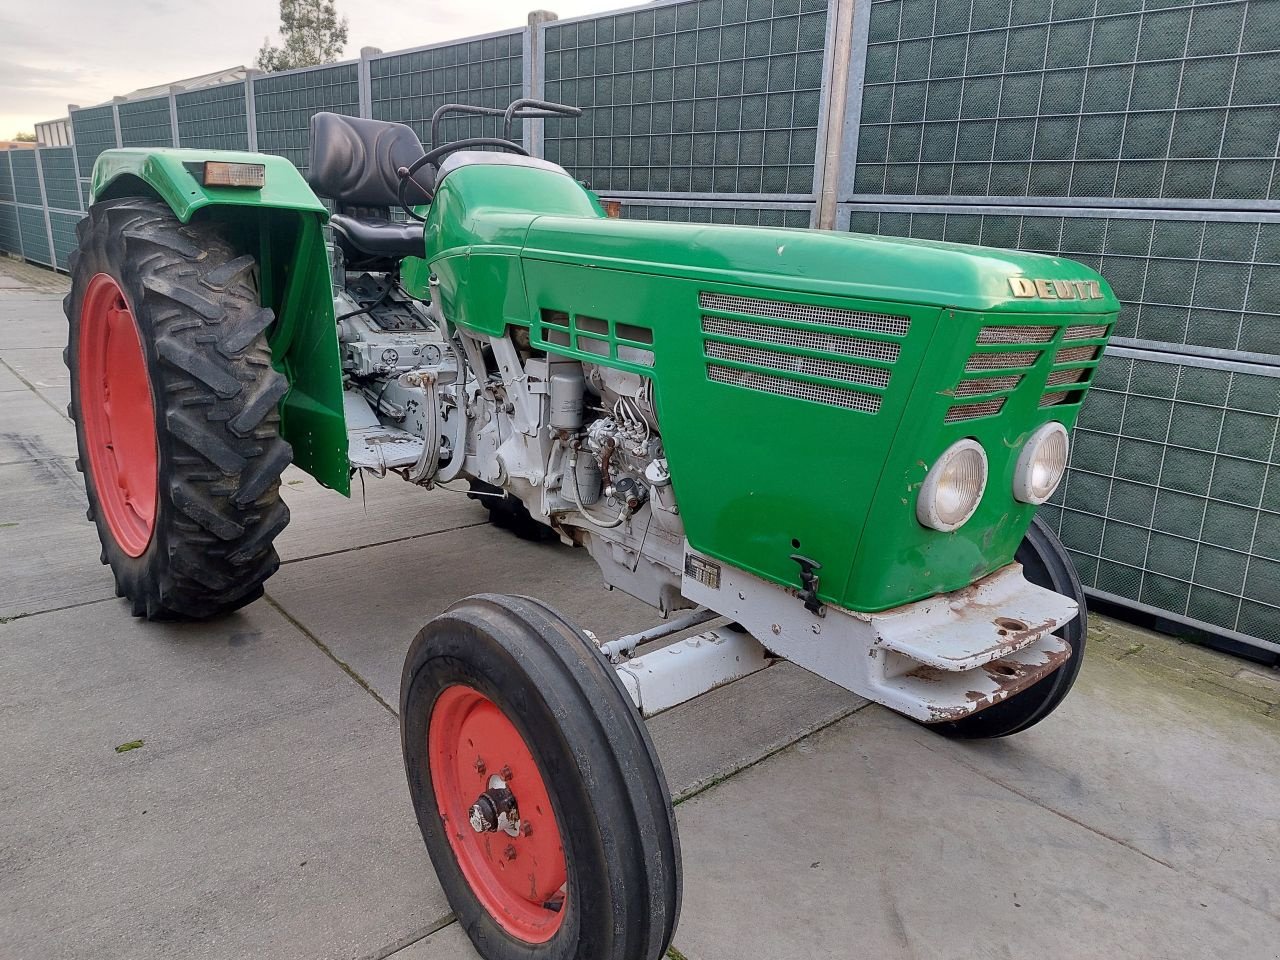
533 76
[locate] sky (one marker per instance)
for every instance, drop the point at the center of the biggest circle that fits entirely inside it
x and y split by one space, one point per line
57 52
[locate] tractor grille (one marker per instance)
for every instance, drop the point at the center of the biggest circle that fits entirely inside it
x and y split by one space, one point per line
766 355
806 313
1019 336
817 393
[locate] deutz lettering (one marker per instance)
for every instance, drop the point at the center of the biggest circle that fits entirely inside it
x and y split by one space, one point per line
1056 289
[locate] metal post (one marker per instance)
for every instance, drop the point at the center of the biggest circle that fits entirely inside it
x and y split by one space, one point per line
75 156
250 111
533 76
837 80
44 207
174 90
13 190
855 83
366 82
115 116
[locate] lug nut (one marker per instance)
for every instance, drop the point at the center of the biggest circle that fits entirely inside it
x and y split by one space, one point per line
527 829
480 766
505 772
510 852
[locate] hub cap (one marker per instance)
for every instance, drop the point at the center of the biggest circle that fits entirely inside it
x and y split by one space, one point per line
117 415
497 814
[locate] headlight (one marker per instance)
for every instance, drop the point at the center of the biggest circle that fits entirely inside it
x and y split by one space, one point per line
1041 464
953 486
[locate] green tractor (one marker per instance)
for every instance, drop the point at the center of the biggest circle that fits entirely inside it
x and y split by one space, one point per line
834 444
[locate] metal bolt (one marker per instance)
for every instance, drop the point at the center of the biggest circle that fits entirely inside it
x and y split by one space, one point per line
510 852
505 773
480 765
777 629
527 829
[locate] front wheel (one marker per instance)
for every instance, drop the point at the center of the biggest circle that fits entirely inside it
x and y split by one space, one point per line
175 403
536 787
1046 564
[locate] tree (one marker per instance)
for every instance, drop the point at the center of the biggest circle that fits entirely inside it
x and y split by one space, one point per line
24 138
311 33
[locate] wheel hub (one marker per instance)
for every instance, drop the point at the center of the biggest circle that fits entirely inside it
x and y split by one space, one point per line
495 810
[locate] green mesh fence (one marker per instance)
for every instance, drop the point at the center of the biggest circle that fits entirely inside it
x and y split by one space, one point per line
145 123
489 72
9 239
26 181
61 190
285 102
63 227
35 239
707 96
1182 281
726 213
1173 496
6 184
1074 99
214 118
94 130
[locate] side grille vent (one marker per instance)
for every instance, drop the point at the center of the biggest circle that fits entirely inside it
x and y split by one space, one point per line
816 393
1050 399
806 313
806 339
791 363
1016 334
1061 377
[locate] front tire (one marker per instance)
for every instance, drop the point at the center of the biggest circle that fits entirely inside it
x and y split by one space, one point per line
1046 564
506 707
175 403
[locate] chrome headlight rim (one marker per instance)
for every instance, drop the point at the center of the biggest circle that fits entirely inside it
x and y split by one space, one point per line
1024 490
927 511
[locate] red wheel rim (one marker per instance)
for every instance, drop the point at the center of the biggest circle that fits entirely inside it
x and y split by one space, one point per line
520 880
117 415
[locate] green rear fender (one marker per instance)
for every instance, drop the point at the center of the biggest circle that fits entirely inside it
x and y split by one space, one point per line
282 226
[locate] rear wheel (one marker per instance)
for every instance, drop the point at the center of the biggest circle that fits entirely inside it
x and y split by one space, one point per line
537 790
175 403
1046 564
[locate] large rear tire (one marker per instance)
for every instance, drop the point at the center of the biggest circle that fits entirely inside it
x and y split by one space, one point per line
507 710
1046 564
176 407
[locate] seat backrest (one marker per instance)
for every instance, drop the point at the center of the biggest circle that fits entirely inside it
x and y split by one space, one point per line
354 161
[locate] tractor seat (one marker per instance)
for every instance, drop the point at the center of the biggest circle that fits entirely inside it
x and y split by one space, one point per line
378 238
354 163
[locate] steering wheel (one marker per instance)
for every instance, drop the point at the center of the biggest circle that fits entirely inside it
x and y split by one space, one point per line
438 153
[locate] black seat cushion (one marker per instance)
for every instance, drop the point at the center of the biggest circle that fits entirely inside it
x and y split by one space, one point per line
354 161
379 238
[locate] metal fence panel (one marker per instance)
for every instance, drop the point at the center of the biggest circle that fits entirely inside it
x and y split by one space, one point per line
26 179
285 102
145 123
735 213
62 225
61 190
697 97
213 118
94 130
35 237
10 242
408 86
6 183
1002 98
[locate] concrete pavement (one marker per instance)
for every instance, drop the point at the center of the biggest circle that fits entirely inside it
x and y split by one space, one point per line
265 814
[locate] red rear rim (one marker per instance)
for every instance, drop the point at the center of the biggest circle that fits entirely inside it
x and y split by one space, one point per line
117 415
473 748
